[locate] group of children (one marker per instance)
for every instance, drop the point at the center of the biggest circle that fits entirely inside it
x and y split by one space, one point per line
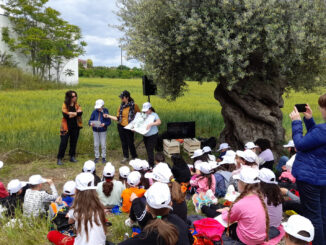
156 199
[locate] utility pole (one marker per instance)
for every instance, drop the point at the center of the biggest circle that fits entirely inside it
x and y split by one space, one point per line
121 54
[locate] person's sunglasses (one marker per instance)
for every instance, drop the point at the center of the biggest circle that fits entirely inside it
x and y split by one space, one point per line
74 96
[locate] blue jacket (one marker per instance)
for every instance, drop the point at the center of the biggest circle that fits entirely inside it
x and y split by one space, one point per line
310 161
95 117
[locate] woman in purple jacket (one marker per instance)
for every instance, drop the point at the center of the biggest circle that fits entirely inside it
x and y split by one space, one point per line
309 167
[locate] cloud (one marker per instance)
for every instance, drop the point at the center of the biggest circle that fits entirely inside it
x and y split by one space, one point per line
94 17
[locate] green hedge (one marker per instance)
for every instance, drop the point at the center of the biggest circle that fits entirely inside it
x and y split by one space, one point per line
111 72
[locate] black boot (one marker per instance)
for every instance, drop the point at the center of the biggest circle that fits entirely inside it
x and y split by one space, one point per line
73 159
59 162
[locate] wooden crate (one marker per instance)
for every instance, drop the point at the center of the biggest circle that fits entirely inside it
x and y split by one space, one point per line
190 145
171 147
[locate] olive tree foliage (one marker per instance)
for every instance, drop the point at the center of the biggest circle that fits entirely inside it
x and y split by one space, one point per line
226 41
253 49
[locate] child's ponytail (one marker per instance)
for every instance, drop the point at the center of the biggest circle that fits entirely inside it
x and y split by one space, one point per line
165 230
107 188
178 191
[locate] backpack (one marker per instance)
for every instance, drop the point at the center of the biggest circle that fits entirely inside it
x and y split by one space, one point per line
58 215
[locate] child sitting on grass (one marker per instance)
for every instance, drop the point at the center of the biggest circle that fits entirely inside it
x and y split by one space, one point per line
159 157
124 171
249 211
15 199
142 167
133 182
3 191
298 231
36 199
89 167
68 192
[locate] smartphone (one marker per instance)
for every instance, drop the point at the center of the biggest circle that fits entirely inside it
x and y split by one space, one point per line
301 107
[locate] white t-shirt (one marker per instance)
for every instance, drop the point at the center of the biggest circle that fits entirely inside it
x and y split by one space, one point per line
96 235
115 197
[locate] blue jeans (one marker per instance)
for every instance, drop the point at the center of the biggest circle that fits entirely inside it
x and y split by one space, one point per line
313 201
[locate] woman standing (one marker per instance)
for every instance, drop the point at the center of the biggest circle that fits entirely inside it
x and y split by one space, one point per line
126 113
309 167
70 125
151 137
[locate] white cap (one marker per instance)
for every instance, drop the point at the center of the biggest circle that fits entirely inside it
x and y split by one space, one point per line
197 153
213 164
89 166
158 196
124 171
207 149
14 186
36 180
248 175
228 160
250 145
69 188
136 164
85 181
289 144
229 153
161 173
108 170
297 223
146 107
204 167
250 156
98 104
145 165
223 146
1 164
266 175
240 154
133 178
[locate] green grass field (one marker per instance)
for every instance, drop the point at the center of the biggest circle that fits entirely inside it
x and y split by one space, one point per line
29 135
31 119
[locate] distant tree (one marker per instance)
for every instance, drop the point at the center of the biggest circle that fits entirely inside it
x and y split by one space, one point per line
41 35
254 49
89 63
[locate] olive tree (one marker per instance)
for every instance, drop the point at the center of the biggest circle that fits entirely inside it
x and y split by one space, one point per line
254 50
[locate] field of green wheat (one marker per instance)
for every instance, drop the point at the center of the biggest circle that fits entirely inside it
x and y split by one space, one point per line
30 120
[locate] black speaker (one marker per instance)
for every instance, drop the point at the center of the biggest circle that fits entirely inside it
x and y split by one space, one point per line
181 130
149 87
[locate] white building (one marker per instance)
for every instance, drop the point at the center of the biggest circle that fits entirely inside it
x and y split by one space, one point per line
21 60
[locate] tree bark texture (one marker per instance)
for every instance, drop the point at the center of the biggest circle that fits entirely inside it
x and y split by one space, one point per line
251 113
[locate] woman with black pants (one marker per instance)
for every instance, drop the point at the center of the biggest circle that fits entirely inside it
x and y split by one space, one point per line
151 137
126 113
70 125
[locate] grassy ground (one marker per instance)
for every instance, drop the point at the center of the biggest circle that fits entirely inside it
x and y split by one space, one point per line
29 134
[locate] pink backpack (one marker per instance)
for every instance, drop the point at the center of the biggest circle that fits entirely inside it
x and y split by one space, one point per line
209 228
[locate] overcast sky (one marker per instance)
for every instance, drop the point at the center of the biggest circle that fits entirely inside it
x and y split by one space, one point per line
93 17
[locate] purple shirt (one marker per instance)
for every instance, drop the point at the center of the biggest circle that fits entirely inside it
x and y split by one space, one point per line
274 213
267 155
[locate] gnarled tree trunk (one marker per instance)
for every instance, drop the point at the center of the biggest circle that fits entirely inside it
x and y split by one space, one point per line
251 113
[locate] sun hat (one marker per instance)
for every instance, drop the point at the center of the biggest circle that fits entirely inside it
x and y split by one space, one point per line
146 107
1 164
229 153
124 93
85 181
197 153
250 156
289 144
124 171
228 160
296 224
133 178
145 165
204 167
266 175
248 175
223 146
14 186
99 104
240 154
89 166
207 149
136 164
69 188
158 196
250 145
36 180
161 173
109 170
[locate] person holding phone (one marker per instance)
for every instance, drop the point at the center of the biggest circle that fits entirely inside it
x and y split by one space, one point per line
100 125
309 167
125 114
71 123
